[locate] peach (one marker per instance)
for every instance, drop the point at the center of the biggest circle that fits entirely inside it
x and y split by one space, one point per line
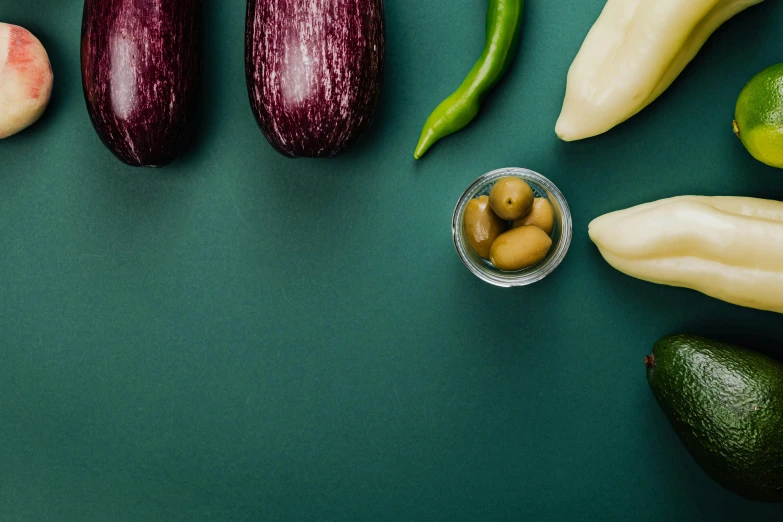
25 79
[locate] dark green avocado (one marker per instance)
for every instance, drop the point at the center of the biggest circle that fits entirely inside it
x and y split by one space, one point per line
726 405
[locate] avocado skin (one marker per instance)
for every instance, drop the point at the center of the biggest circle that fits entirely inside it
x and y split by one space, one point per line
726 405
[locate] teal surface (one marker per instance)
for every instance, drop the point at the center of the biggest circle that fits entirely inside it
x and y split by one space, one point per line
244 337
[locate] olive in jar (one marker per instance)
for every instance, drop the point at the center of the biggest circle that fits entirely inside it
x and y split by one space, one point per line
519 248
541 216
511 198
481 225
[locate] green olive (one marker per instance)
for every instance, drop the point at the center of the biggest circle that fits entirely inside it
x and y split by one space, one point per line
519 248
482 226
541 216
511 198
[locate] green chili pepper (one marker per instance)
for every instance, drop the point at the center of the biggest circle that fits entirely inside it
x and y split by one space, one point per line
504 21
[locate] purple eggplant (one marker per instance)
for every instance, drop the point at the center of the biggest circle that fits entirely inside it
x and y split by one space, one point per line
140 66
314 70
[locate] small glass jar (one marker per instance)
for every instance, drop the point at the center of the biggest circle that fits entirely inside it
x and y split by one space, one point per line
561 234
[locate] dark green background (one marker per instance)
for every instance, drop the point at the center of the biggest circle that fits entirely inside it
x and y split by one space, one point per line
244 337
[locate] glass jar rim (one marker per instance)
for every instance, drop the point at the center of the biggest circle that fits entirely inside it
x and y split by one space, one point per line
513 279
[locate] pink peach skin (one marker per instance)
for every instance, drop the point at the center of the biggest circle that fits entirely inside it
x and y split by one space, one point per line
25 79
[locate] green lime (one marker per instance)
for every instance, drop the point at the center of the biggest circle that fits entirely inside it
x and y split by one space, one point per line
758 119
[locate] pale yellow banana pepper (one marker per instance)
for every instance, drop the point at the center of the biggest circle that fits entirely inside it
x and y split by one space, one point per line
635 50
730 248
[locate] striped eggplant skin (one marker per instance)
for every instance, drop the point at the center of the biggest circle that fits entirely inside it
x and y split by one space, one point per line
140 68
314 70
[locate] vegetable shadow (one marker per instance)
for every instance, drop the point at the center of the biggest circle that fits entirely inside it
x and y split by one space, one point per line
203 113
